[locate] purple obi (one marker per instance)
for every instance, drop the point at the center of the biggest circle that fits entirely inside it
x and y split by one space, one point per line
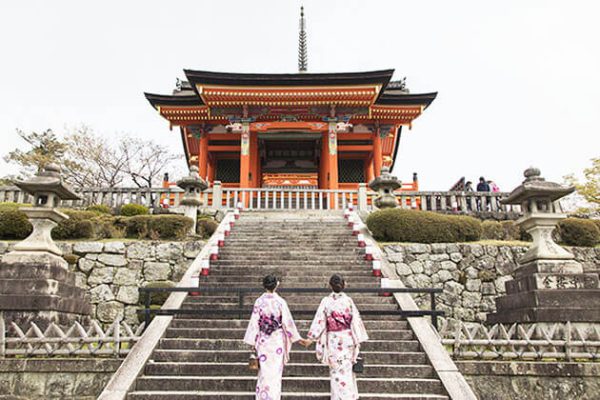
338 322
269 323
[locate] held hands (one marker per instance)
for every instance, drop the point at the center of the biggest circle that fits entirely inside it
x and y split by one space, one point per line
305 342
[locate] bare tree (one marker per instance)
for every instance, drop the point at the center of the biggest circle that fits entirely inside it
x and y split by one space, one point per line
92 161
146 161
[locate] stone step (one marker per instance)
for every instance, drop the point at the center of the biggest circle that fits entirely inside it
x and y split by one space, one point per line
297 356
293 306
326 264
302 324
355 280
291 369
292 384
231 271
204 395
289 283
191 333
291 299
238 344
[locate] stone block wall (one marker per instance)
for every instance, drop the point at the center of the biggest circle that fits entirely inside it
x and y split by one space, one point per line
472 275
113 271
78 378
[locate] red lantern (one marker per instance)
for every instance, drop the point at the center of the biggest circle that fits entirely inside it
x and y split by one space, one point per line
355 228
369 253
361 240
220 239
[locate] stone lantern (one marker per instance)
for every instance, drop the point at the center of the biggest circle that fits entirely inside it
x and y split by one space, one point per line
193 185
385 185
47 189
548 285
35 282
538 199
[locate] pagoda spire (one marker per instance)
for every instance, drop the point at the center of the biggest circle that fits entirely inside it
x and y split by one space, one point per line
302 50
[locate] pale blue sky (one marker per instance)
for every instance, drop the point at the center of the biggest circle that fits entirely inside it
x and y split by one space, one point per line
518 81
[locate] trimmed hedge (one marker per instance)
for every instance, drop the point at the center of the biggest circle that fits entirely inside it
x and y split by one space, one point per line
398 225
79 225
130 210
579 232
100 209
206 227
503 230
13 224
158 226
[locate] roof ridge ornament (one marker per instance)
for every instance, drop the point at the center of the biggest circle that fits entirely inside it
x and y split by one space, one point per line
302 48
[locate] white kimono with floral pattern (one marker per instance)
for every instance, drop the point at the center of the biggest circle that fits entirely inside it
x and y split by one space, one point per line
271 331
339 330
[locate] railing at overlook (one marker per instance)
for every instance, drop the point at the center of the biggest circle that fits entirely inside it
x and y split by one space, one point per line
281 199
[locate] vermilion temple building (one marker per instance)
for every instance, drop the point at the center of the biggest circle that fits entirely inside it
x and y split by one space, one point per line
304 130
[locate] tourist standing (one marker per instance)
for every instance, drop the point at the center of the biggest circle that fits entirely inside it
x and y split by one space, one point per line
339 330
482 186
271 332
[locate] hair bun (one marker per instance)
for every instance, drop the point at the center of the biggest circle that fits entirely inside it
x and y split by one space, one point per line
337 283
270 282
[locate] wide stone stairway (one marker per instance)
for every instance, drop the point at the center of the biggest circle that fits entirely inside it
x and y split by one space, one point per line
203 357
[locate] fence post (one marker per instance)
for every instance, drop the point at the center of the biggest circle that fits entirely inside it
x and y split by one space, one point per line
2 336
362 197
217 196
434 320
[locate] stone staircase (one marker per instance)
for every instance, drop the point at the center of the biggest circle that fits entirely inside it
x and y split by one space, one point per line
204 357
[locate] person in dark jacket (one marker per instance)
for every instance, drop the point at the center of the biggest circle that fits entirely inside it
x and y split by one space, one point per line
483 186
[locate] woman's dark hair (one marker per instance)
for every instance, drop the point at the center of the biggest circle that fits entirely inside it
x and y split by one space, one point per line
270 282
337 283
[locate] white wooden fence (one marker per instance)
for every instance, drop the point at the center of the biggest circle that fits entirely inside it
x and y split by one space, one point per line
117 340
562 341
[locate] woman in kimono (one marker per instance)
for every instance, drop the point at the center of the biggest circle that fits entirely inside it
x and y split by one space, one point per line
271 332
339 330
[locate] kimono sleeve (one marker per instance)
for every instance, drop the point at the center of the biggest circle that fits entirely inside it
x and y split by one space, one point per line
319 323
358 327
289 325
253 329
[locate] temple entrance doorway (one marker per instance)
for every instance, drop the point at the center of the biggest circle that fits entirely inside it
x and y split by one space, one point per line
289 161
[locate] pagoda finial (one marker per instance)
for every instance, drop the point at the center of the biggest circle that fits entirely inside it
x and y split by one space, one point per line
302 50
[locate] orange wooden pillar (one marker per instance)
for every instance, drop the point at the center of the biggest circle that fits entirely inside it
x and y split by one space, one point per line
377 154
245 159
332 161
203 155
369 171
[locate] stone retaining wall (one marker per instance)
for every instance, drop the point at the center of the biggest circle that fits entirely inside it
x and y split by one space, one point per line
81 379
113 271
510 380
472 275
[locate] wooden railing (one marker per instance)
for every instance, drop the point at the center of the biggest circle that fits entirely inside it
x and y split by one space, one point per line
281 198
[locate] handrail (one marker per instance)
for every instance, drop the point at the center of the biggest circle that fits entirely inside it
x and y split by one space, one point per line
241 310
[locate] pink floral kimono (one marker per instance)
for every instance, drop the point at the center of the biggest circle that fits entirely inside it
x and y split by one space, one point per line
271 331
339 330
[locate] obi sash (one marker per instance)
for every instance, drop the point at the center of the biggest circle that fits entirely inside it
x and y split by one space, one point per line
339 322
269 323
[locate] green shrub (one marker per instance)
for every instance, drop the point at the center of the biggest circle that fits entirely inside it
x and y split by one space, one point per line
100 209
13 223
156 300
108 227
579 232
206 227
8 205
398 225
130 210
79 225
504 230
511 230
492 230
158 226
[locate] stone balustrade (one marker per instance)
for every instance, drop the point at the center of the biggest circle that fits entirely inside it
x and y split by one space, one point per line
281 198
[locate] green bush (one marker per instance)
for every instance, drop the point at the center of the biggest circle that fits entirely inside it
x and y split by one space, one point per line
492 230
130 210
7 205
80 225
108 227
579 232
206 227
100 209
156 300
158 226
398 225
13 223
504 230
